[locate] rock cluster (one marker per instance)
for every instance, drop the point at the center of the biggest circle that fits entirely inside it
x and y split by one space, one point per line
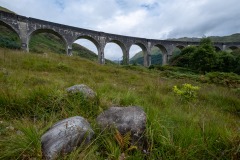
68 134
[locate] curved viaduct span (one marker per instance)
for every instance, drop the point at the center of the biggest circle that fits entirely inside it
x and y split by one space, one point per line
25 27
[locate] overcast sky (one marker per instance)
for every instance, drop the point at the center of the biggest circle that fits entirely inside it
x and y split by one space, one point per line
154 19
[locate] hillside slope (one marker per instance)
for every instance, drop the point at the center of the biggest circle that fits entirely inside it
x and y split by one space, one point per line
156 57
33 97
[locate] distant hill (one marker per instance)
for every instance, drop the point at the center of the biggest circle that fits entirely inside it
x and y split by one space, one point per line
156 57
230 38
43 43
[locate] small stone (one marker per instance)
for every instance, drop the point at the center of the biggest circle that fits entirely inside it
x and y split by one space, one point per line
65 136
10 128
122 157
82 88
18 132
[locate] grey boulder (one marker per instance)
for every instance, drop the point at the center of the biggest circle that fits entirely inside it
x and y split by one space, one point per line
82 88
124 119
66 135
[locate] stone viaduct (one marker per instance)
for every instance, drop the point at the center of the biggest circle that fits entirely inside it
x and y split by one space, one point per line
25 27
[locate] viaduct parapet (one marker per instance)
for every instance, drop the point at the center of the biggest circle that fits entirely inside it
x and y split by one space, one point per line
26 27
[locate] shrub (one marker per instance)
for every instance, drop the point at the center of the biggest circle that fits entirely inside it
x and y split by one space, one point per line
63 67
187 92
224 79
8 43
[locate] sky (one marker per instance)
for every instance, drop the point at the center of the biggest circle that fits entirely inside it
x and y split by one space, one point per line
153 19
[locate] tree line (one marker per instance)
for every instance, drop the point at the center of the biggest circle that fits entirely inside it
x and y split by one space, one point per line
204 58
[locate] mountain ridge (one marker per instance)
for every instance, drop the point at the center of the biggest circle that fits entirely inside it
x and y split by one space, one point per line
235 37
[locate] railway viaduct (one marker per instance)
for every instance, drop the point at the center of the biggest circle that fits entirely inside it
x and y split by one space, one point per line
26 27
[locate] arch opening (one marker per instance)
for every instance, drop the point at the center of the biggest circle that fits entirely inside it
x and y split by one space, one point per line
137 53
47 40
163 51
89 38
114 51
217 49
156 56
180 47
9 38
85 48
176 51
233 48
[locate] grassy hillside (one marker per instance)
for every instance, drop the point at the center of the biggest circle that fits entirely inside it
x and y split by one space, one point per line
230 38
83 52
155 59
33 97
155 51
156 56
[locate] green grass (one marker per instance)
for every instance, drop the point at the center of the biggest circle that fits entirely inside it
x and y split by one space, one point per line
33 97
24 144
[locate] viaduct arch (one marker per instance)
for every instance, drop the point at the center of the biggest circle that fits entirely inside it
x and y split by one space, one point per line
25 27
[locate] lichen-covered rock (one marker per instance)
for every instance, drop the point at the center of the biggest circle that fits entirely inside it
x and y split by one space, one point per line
124 119
82 88
64 136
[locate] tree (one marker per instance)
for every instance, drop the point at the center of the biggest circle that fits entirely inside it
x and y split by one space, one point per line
236 54
184 58
225 62
204 58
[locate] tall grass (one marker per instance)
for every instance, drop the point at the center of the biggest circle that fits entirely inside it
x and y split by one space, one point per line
24 143
33 91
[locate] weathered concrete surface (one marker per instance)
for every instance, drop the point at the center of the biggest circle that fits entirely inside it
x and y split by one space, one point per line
64 136
82 88
26 27
124 119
